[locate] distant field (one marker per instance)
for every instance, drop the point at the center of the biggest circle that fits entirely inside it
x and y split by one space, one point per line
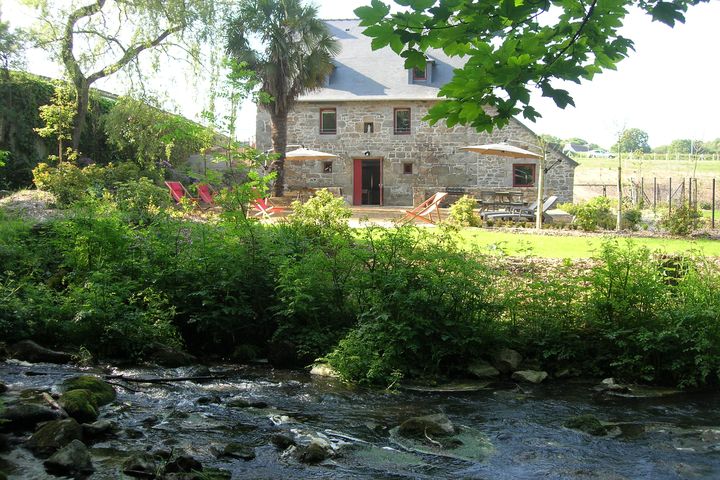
599 171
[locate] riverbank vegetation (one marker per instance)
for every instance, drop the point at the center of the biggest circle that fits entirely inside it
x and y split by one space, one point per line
115 275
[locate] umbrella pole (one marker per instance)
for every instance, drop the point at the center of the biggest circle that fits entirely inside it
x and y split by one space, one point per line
540 193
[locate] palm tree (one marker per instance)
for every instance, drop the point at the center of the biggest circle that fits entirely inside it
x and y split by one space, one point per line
293 57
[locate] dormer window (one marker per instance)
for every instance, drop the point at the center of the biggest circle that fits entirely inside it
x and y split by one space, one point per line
423 73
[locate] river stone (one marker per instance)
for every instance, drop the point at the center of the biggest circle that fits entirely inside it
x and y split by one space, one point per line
30 351
99 429
24 416
72 459
435 425
182 464
531 376
169 357
586 423
282 441
317 451
507 360
482 369
53 436
238 450
103 392
242 403
323 370
80 405
142 465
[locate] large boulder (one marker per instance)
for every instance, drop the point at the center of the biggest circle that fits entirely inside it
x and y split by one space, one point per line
482 369
507 360
530 376
30 351
169 357
80 405
102 392
53 436
71 460
435 425
24 416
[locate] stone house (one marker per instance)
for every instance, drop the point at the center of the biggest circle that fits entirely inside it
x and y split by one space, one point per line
370 113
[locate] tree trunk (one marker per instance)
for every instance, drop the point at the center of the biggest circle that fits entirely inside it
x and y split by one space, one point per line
279 144
82 88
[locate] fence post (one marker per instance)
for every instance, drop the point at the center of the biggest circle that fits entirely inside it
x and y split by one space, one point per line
655 195
713 205
670 195
690 193
642 192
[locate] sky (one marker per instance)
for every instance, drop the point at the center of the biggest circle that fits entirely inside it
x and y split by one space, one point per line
668 87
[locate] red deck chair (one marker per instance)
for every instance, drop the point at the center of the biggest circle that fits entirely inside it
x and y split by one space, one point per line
425 210
178 192
265 209
206 193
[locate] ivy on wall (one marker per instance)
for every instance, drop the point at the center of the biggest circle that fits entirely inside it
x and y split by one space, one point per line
21 96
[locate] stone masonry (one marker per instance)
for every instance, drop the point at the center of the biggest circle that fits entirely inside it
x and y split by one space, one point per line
434 152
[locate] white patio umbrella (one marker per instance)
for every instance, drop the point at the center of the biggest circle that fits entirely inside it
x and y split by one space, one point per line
303 153
511 151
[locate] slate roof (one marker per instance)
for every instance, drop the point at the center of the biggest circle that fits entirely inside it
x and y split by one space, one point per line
363 74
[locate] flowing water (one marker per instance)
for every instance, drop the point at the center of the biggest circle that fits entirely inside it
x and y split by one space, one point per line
510 432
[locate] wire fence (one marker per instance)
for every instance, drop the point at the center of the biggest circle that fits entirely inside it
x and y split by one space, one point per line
660 193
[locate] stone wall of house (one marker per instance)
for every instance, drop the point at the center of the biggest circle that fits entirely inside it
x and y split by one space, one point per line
434 152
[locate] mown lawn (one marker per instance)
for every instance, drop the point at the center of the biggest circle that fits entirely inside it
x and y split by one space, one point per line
560 246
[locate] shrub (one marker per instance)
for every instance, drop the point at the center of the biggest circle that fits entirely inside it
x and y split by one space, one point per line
462 212
631 218
681 220
141 199
593 214
322 211
424 305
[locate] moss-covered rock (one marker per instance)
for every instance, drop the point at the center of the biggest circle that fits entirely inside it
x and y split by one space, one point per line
102 391
586 423
53 436
80 404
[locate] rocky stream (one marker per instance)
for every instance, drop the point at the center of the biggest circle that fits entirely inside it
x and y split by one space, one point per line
256 422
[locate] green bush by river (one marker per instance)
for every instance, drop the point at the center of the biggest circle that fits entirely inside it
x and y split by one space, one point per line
378 304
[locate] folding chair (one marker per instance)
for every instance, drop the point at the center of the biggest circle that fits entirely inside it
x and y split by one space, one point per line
206 193
425 210
178 192
265 209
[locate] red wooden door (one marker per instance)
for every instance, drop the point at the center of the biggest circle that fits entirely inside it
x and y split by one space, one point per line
357 181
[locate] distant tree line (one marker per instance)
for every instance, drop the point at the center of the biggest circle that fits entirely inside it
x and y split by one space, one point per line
634 140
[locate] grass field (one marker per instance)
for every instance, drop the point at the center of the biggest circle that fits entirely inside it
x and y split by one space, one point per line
591 169
561 246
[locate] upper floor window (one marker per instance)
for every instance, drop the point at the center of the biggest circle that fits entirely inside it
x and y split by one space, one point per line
328 121
402 121
523 175
419 74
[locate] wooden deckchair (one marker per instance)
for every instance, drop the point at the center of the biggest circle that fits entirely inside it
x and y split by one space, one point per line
265 209
206 193
178 192
425 210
